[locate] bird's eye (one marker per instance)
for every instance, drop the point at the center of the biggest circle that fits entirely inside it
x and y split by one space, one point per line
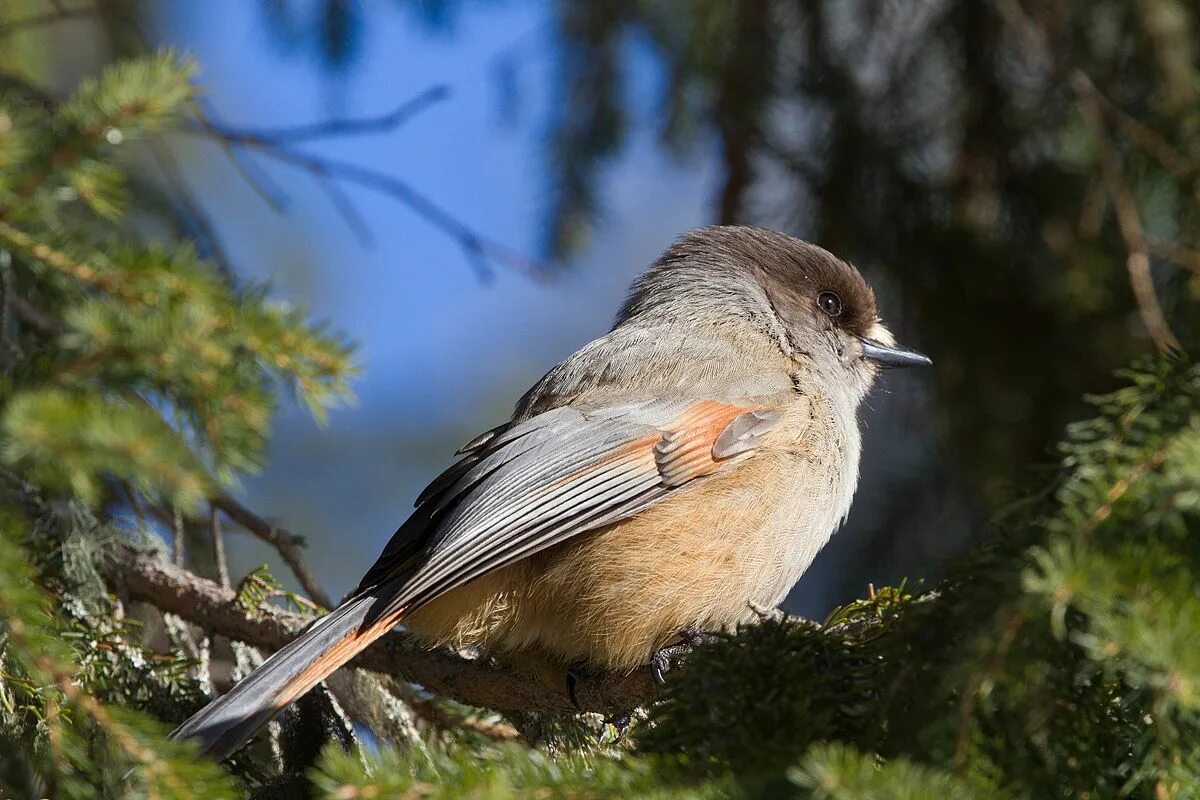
830 303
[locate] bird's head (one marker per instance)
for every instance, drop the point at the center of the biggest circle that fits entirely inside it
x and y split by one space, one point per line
817 308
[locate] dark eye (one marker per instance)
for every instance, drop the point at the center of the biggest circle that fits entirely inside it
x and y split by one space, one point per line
830 303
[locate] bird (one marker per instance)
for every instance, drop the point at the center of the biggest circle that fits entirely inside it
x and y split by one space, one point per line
668 478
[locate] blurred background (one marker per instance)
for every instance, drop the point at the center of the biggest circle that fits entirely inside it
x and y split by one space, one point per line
485 178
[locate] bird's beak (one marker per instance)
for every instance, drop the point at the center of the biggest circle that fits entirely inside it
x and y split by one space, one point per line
893 356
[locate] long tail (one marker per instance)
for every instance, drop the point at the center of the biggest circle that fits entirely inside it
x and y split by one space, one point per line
224 724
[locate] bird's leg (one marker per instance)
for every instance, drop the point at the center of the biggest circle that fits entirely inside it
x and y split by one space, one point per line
660 660
575 672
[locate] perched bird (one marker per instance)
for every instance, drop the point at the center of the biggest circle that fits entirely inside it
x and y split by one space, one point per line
662 480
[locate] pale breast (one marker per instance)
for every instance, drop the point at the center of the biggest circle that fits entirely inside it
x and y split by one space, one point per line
819 483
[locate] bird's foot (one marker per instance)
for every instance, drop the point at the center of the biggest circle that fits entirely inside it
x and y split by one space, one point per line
661 659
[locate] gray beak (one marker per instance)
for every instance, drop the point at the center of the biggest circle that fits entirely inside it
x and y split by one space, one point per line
893 356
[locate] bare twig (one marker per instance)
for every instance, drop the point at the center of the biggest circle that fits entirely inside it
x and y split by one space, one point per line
34 318
269 191
218 540
345 206
1094 106
1129 221
345 127
479 250
178 539
1183 256
1150 140
287 544
474 682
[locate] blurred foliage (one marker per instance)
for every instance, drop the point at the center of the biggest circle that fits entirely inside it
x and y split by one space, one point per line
59 737
1058 660
137 382
495 772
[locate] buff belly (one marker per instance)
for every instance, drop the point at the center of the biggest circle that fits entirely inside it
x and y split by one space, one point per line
698 560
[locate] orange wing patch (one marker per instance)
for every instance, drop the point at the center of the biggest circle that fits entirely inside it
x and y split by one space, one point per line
686 448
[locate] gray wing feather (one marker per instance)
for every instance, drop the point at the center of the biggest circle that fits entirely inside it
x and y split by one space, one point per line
515 494
541 481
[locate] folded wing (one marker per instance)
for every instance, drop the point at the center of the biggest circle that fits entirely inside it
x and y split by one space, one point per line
536 483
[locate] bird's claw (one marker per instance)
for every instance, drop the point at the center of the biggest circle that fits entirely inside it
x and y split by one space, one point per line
660 660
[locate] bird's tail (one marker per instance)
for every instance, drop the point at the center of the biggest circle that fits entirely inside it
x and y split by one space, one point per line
224 724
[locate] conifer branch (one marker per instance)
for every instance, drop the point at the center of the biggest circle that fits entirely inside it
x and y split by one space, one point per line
147 578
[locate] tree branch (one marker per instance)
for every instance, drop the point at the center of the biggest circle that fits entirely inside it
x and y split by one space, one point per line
34 318
479 250
146 577
1129 220
344 127
1093 105
1183 256
287 544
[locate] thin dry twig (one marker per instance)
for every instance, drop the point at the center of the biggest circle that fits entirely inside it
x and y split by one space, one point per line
479 250
346 208
267 190
178 539
218 540
34 318
475 682
287 544
341 128
1094 106
1148 139
1129 222
1176 254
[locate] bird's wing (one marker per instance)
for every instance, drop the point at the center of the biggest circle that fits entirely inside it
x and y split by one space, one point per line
525 487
